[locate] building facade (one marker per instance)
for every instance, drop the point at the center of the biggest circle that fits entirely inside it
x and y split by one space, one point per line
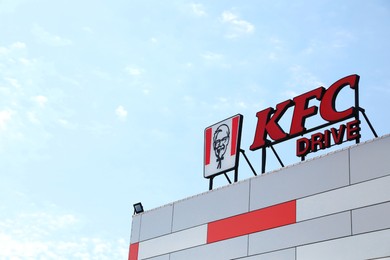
335 206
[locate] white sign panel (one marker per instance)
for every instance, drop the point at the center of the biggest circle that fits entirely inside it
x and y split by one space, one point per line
222 146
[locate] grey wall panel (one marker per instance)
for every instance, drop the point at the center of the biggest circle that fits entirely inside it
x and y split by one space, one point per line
373 245
370 160
311 177
227 249
211 206
135 229
187 238
156 222
347 198
310 231
287 254
371 218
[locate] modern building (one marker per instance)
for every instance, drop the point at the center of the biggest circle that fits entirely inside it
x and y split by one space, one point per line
336 206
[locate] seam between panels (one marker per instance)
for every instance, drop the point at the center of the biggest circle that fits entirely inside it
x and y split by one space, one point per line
349 165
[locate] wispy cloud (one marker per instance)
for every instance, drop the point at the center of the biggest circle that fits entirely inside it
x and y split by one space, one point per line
237 27
31 236
134 71
48 38
301 80
212 56
121 113
66 124
198 9
40 100
5 116
13 47
215 59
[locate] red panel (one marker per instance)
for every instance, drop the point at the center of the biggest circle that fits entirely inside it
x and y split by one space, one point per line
235 121
251 222
133 251
208 133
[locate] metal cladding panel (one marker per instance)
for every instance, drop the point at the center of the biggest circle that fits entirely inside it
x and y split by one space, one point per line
156 222
227 249
252 222
135 228
287 254
355 196
311 231
371 218
311 177
370 160
373 245
214 205
173 242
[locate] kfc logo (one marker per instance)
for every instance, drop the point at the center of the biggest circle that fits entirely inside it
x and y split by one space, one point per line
222 145
220 142
267 119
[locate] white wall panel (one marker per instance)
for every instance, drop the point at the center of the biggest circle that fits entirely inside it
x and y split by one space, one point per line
214 205
366 246
370 160
173 242
307 178
135 228
347 198
223 250
301 233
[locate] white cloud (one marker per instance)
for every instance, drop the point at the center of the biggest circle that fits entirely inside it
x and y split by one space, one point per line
25 61
301 79
18 45
87 29
32 117
290 94
40 100
212 56
198 9
48 38
65 123
154 40
5 116
121 113
13 82
133 71
40 235
13 47
238 27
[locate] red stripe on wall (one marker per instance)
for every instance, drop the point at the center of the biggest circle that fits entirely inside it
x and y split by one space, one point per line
133 251
208 133
251 222
235 121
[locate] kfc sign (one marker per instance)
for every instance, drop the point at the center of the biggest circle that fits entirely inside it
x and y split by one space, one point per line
267 119
222 146
222 140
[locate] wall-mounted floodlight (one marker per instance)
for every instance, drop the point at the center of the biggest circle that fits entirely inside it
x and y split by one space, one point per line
138 208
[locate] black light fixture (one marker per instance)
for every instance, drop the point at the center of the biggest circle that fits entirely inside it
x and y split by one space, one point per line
138 208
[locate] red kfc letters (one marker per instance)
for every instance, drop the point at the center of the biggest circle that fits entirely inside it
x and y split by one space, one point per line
267 119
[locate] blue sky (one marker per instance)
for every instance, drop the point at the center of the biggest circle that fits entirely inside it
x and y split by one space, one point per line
104 103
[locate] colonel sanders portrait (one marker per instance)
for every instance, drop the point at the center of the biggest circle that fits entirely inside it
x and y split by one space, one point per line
220 143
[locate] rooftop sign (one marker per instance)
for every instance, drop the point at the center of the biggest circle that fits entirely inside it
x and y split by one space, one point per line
269 132
222 146
267 119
